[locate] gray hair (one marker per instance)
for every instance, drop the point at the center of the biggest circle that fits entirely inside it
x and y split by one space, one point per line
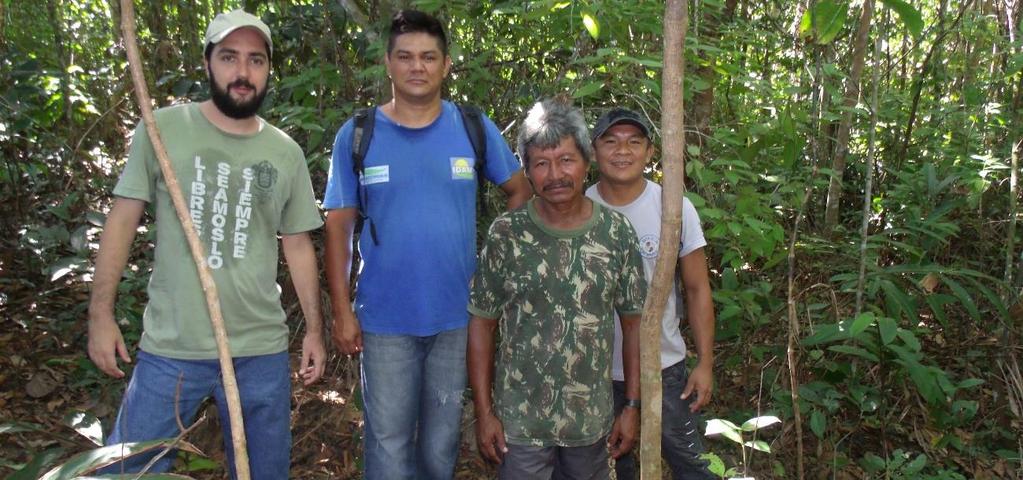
547 123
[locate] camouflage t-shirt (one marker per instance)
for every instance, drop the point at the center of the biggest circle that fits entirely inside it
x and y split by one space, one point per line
555 293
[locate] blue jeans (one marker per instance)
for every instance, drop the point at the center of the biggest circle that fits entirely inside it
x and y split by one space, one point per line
148 409
412 397
681 443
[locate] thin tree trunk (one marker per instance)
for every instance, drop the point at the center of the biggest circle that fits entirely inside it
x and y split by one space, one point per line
359 17
676 21
1010 236
852 95
57 23
868 193
791 353
925 70
817 102
241 455
703 101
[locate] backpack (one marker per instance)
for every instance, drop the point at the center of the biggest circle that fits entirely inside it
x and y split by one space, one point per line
472 119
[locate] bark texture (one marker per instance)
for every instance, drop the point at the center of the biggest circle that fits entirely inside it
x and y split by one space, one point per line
852 96
676 20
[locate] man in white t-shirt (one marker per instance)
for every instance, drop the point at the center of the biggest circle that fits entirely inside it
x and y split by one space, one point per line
623 147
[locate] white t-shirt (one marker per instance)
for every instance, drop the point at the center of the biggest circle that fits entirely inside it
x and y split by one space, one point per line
645 214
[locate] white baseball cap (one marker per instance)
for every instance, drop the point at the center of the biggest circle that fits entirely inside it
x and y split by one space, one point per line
226 23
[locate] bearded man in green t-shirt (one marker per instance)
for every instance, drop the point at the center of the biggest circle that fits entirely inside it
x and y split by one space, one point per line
245 183
550 277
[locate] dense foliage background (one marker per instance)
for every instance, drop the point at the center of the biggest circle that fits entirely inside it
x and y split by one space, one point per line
854 163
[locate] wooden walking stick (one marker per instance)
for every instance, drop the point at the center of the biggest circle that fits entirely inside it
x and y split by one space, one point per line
241 455
676 19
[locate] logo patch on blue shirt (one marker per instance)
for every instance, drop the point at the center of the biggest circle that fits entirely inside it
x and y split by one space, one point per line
462 168
378 174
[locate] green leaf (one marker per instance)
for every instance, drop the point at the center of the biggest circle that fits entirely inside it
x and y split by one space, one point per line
591 24
65 266
963 296
87 425
860 323
856 351
905 356
873 463
914 467
827 332
937 303
132 476
806 24
197 464
757 423
909 339
31 469
725 428
926 384
588 89
887 328
759 445
91 460
1015 65
992 297
95 218
15 427
969 383
646 62
899 303
909 15
825 19
732 435
714 464
818 423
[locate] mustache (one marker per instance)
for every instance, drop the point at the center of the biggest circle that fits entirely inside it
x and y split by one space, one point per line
559 184
241 82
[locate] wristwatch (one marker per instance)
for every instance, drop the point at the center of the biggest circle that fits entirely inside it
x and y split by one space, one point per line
632 402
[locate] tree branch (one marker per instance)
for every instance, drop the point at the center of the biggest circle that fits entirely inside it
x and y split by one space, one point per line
241 456
676 21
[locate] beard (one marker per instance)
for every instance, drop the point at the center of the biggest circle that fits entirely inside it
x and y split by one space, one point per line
235 109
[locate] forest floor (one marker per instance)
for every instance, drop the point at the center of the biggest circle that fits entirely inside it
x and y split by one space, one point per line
43 379
45 376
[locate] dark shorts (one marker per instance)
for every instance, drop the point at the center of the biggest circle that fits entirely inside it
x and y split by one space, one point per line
588 462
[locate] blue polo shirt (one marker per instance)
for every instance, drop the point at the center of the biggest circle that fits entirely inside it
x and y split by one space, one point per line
420 189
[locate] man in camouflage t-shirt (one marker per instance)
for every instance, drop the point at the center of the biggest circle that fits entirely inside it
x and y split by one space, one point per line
551 276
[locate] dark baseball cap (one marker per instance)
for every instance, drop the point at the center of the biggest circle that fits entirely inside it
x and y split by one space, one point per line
616 116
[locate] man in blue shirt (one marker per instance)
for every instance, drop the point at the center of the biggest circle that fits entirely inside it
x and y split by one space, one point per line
417 192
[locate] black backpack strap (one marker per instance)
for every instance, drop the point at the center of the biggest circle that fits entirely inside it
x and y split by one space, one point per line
364 121
472 119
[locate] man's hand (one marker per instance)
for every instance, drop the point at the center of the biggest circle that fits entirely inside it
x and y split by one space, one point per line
624 432
701 381
104 341
314 358
346 333
490 437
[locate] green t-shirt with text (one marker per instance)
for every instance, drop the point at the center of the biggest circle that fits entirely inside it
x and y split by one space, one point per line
554 293
241 191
